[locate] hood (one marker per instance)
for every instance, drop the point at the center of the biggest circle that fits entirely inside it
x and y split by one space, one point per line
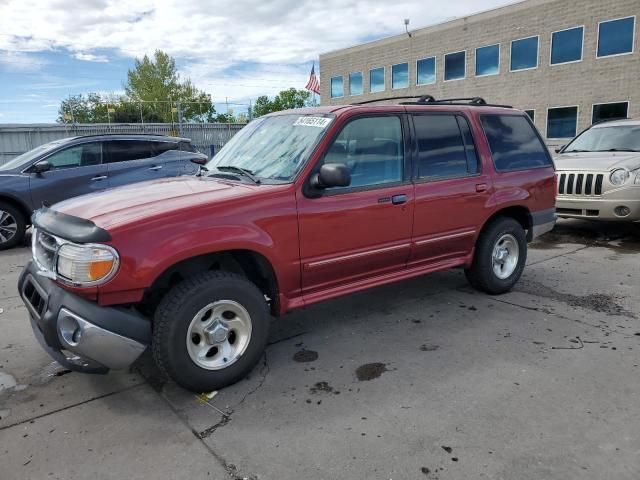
597 161
153 198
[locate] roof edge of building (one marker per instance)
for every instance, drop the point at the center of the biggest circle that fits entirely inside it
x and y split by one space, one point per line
444 25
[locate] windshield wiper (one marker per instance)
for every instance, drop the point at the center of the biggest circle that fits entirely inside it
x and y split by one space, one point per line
242 171
618 150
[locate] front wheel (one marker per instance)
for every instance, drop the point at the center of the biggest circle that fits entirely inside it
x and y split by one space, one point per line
210 331
500 256
12 226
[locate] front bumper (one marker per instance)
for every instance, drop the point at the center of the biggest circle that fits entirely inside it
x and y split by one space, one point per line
97 338
601 208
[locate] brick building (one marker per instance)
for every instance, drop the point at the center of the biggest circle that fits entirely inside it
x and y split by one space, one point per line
568 63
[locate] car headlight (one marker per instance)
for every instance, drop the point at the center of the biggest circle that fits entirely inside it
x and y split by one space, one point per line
620 176
86 264
637 180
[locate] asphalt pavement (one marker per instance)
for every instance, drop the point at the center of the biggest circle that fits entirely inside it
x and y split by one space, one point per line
424 379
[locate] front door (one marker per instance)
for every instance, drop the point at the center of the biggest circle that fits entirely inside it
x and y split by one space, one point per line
74 171
451 189
351 233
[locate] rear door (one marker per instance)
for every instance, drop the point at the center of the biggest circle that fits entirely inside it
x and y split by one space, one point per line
132 161
75 170
452 189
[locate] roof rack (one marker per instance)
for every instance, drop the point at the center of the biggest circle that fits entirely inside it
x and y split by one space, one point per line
430 100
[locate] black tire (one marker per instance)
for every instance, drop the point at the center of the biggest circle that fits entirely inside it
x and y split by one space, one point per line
481 275
175 313
18 237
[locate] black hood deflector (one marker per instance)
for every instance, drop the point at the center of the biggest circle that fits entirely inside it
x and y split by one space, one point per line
71 228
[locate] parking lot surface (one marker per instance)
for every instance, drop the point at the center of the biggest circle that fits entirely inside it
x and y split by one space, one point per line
421 379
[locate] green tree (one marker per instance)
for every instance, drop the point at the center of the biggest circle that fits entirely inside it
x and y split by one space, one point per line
83 109
157 80
286 99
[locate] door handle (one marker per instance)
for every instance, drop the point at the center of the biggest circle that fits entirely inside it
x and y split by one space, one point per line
98 178
481 187
156 167
399 199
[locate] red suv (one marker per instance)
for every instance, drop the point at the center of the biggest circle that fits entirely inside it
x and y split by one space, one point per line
299 207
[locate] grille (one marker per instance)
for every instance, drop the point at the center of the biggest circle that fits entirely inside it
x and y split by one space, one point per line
580 184
45 248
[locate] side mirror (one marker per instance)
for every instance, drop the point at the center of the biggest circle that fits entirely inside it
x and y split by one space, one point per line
332 175
199 161
42 167
559 149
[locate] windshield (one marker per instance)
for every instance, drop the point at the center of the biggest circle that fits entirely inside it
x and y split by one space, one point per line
274 147
607 139
25 158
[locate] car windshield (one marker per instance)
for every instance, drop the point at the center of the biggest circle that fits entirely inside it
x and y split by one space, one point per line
272 147
27 157
607 139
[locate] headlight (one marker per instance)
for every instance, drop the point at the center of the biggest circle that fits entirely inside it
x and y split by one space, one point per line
620 176
637 180
86 264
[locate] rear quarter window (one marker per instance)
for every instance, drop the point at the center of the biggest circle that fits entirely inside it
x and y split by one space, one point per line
514 143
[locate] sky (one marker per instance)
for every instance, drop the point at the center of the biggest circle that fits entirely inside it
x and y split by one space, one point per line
234 50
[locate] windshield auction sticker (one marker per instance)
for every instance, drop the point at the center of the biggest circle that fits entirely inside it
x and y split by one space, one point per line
320 122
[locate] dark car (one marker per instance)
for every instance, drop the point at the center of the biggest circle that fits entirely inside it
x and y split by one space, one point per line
300 206
74 166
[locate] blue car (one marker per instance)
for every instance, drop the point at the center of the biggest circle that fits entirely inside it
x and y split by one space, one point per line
74 166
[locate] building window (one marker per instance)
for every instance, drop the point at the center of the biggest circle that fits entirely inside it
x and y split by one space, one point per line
506 131
532 114
562 122
566 45
426 71
615 37
454 65
445 147
337 89
524 54
355 83
488 60
376 80
609 111
400 76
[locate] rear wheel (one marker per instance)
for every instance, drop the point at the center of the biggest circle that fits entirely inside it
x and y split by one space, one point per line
12 226
500 256
210 331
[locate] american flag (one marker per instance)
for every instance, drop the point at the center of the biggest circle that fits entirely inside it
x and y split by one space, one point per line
313 85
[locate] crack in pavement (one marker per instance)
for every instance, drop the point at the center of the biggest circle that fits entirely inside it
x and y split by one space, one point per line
557 256
230 468
226 418
62 409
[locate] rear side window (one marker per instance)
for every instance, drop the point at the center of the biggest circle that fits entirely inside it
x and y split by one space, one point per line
187 147
445 146
126 150
161 147
514 143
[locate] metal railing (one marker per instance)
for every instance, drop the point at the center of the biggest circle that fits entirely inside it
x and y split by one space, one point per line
16 139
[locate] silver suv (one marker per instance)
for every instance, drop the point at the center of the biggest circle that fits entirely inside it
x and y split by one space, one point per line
599 173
